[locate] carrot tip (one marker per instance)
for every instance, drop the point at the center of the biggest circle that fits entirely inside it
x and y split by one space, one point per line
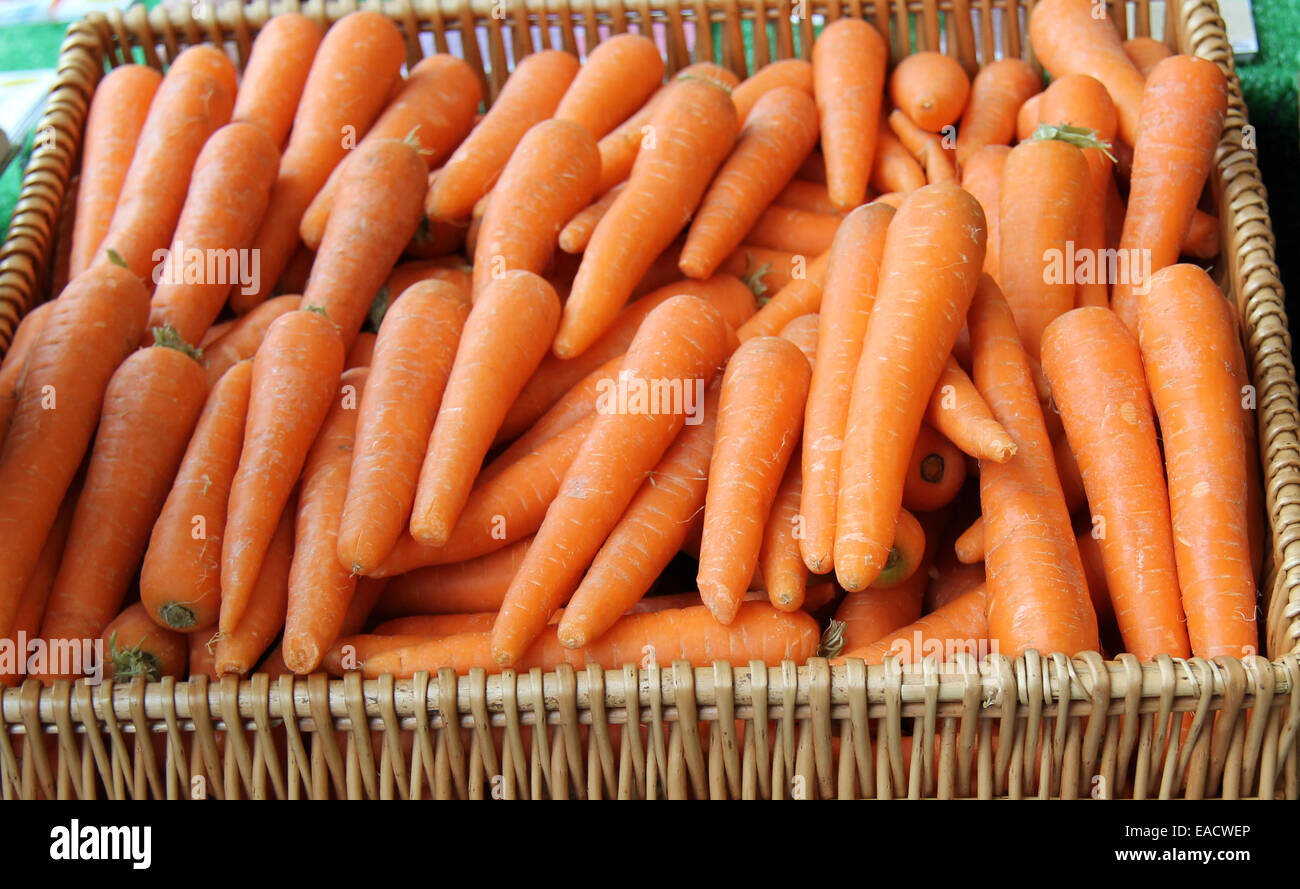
1002 451
571 638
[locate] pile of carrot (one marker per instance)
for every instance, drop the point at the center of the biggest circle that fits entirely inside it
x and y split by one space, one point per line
635 368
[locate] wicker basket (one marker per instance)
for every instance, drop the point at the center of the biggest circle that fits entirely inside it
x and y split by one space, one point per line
1036 726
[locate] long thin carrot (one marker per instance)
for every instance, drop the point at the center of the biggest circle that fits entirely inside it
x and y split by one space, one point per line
117 115
412 360
241 341
997 92
228 194
1188 350
434 109
760 417
349 83
1037 592
932 256
852 274
801 296
779 560
958 627
787 73
276 74
930 88
1095 369
695 128
93 326
848 83
773 142
1183 110
320 587
239 651
577 232
683 340
530 95
550 176
294 381
31 605
895 169
617 78
136 646
460 587
180 580
958 411
150 407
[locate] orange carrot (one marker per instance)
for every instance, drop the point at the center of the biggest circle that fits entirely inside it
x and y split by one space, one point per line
955 580
460 587
1188 352
276 74
930 88
452 269
1027 118
935 473
895 170
803 195
136 646
696 128
784 574
766 271
969 545
1098 384
294 380
576 233
1145 53
796 231
982 177
852 273
802 331
848 82
530 95
31 605
930 265
617 78
958 627
801 296
787 73
14 366
957 410
413 358
996 94
925 146
871 614
1202 238
428 625
180 580
238 652
242 340
1067 470
906 553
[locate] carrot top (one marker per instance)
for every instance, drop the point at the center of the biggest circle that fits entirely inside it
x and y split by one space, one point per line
129 663
1079 137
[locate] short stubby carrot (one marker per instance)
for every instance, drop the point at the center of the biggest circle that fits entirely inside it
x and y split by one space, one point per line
180 582
503 341
276 73
1037 591
136 646
852 275
681 343
930 88
760 417
695 128
263 619
849 60
412 360
530 95
996 94
473 585
94 325
773 142
959 627
113 125
787 73
957 410
150 407
240 342
617 77
1188 347
1098 384
294 381
932 256
550 176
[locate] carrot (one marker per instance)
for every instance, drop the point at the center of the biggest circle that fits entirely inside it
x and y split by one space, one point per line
1202 238
925 146
362 351
958 627
1094 569
1145 53
530 95
1188 351
428 625
31 605
276 74
1037 220
649 533
895 170
802 331
434 109
1027 117
208 253
294 380
696 128
969 545
906 553
759 632
189 106
556 376
14 366
773 142
617 78
869 615
930 264
982 177
180 580
1098 384
351 78
351 653
1037 593
94 324
848 82
796 231
959 412
151 405
852 273
117 115
760 416
801 296
239 651
1076 37
996 95
550 177
813 168
413 358
955 580
930 88
452 269
803 195
767 272
1067 470
242 340
1183 111
683 339
320 587
376 212
460 587
139 647
784 574
935 473
202 657
576 233
787 74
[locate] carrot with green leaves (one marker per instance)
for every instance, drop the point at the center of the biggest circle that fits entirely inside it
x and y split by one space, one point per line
849 60
616 79
276 74
996 94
